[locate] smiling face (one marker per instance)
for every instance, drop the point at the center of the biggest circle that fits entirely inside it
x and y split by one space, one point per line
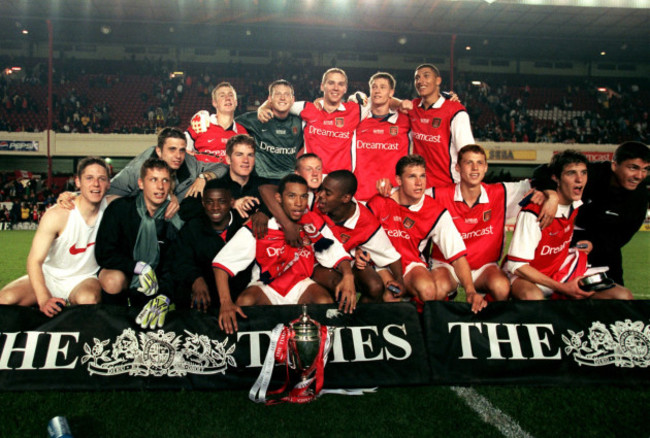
472 167
331 196
155 187
571 183
216 205
173 152
281 99
293 200
412 182
381 91
334 88
241 160
312 170
224 100
427 83
93 183
630 173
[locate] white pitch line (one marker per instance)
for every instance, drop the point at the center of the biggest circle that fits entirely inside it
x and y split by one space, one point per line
490 413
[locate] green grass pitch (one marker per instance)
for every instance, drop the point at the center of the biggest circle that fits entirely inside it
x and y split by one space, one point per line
582 411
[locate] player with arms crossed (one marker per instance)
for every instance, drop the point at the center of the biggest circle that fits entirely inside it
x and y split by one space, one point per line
541 263
281 272
411 219
61 265
480 212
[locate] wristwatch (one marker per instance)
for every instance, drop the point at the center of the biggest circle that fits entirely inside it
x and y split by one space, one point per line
202 176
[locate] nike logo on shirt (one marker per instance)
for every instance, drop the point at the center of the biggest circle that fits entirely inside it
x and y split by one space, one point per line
74 250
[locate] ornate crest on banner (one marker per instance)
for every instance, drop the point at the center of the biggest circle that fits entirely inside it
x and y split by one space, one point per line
159 354
339 122
625 344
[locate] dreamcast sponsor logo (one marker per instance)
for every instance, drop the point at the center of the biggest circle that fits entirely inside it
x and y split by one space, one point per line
478 233
398 233
375 146
424 137
547 250
328 133
274 252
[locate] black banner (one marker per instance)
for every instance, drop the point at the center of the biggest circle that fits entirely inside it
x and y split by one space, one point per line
550 342
100 347
553 342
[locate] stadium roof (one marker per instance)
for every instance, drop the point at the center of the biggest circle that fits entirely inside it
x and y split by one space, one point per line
532 29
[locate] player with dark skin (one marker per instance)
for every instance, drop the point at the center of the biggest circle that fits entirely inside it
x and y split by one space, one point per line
335 201
217 204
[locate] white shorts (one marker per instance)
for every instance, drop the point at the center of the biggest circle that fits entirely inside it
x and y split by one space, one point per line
412 265
61 287
476 273
546 291
291 298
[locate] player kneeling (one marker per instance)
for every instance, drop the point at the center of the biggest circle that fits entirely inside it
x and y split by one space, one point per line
540 262
411 219
281 272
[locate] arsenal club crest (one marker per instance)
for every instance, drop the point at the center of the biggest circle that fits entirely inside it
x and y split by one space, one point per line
487 214
436 122
295 130
339 122
408 222
394 130
344 237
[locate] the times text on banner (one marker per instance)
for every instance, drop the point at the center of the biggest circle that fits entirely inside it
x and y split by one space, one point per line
553 342
100 347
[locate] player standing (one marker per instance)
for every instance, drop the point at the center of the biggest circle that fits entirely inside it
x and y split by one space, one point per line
208 134
381 139
439 127
279 139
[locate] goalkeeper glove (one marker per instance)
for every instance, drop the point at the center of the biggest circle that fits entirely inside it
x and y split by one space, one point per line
200 122
154 312
147 278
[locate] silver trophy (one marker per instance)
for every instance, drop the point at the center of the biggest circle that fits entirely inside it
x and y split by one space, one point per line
305 343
